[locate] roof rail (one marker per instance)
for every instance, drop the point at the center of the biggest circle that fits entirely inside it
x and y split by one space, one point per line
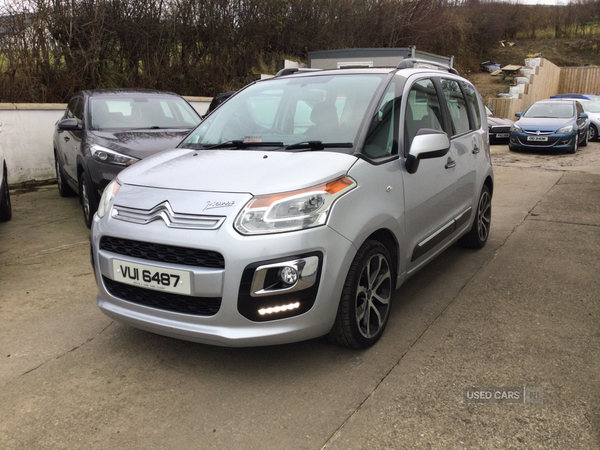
410 63
291 70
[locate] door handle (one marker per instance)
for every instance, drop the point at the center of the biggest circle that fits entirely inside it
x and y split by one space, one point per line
476 150
67 138
450 163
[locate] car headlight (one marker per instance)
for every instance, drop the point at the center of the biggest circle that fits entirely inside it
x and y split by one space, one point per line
106 155
516 129
290 211
108 196
565 130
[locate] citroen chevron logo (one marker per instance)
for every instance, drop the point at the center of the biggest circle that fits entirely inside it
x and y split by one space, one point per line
171 219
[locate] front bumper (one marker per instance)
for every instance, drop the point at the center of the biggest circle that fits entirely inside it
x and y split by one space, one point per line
229 326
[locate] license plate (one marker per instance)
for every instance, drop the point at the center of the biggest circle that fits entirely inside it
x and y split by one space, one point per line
537 138
149 277
501 135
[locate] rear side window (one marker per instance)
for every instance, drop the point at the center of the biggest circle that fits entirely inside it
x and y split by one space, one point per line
471 94
457 105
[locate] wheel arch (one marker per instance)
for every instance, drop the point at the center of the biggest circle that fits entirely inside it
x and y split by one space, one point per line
389 241
490 184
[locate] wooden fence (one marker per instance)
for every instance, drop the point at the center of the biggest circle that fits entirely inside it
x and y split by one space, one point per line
544 83
579 80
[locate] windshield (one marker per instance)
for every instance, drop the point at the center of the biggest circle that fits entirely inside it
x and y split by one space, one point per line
590 106
556 110
141 112
284 111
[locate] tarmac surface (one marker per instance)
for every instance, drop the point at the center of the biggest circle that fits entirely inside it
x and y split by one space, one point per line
523 313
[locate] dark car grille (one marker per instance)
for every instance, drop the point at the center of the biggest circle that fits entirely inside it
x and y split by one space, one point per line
184 304
163 253
500 129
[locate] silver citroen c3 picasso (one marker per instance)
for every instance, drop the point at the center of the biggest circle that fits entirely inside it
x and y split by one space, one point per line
296 208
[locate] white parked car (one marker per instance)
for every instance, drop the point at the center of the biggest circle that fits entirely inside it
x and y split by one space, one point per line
297 207
591 108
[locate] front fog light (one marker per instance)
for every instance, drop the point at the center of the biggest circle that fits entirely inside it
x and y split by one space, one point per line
281 288
289 275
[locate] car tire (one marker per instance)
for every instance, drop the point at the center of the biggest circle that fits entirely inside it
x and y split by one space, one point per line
593 133
5 205
87 199
586 140
366 299
64 190
573 149
480 230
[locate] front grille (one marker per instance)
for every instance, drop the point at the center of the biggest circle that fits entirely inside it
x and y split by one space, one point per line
184 304
500 129
163 253
539 133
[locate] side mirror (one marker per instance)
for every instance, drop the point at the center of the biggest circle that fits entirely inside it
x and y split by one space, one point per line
518 114
69 124
427 144
583 116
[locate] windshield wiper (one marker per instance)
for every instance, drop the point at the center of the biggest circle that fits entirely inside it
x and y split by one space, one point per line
317 145
242 144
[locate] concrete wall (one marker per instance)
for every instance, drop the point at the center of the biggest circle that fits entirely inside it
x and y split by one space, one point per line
26 137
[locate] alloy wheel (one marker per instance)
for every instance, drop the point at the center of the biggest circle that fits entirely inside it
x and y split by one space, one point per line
373 296
484 216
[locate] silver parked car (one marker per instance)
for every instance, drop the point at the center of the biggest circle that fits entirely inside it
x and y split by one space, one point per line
297 208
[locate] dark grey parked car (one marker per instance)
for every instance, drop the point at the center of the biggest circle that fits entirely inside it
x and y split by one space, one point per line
498 128
104 131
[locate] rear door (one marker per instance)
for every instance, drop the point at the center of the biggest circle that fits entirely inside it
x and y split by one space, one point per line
430 202
466 143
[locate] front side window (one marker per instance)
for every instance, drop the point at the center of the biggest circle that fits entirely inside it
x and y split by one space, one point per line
422 111
288 110
457 106
380 141
70 113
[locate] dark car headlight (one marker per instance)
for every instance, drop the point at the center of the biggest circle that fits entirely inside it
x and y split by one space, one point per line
106 155
516 129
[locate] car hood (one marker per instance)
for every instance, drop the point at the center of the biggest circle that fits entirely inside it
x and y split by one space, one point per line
494 121
139 143
543 123
254 172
